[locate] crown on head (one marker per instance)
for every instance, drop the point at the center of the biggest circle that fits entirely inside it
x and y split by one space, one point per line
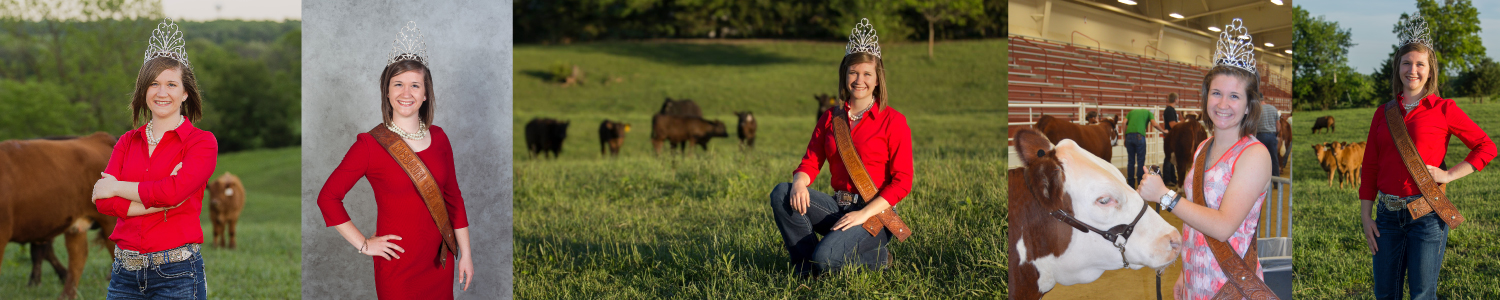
166 41
1235 48
1414 30
863 39
409 45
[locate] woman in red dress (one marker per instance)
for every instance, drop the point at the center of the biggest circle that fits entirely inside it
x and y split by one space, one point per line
155 178
882 139
406 243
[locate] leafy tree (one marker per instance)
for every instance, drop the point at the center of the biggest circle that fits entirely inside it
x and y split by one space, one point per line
951 11
1322 49
1481 82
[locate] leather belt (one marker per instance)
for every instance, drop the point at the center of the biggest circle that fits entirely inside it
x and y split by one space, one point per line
886 219
846 198
1435 195
1395 203
135 260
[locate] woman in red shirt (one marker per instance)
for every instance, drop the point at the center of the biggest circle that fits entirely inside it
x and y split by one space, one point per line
883 140
406 243
1403 247
155 178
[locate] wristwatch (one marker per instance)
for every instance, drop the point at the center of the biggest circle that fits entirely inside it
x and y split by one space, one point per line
1168 201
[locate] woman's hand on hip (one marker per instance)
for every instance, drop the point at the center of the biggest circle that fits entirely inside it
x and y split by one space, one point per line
383 247
465 271
1151 188
799 198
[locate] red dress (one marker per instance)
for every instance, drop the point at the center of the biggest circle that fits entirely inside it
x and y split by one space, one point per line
401 211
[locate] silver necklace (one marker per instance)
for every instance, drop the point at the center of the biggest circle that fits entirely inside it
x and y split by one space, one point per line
151 137
1411 106
420 134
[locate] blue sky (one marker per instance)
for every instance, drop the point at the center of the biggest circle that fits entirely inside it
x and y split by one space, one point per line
1371 21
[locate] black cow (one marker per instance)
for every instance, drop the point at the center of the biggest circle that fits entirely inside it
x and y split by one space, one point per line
1323 122
680 130
825 102
612 136
747 128
546 135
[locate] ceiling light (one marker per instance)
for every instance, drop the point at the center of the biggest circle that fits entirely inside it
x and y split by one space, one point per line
1268 45
1244 37
1175 15
1277 2
1214 29
1128 2
1288 51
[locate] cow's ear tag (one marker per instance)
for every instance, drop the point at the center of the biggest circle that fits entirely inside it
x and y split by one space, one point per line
1041 153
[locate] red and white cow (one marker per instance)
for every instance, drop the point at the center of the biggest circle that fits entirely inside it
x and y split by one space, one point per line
1062 183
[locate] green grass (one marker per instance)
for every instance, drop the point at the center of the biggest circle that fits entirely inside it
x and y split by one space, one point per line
266 265
1332 260
639 226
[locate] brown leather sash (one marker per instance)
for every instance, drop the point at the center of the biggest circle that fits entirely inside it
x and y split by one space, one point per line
1434 195
862 182
1242 283
419 175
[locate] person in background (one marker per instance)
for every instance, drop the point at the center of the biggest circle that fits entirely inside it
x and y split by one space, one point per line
1267 133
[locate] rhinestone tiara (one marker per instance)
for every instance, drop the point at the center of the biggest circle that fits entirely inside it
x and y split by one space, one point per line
1235 48
409 45
1414 30
863 39
166 41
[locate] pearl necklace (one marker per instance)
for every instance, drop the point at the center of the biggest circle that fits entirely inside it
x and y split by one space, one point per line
151 137
420 134
1411 106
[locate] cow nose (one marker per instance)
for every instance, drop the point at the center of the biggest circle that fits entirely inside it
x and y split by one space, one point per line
1175 241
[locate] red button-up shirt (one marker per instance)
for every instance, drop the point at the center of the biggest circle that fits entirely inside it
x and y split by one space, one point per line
197 151
883 142
1430 125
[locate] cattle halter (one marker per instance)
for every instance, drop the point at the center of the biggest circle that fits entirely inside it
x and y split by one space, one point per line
1115 235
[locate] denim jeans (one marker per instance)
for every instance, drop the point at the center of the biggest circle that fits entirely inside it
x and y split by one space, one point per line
178 280
1269 139
1410 250
1135 156
837 248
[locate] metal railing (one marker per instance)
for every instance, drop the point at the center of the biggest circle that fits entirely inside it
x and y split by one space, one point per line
1276 212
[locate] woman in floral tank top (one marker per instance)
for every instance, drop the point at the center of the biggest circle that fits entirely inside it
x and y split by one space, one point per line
1234 186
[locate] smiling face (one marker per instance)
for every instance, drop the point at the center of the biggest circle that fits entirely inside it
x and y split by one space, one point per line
1227 101
1415 70
165 94
861 80
406 92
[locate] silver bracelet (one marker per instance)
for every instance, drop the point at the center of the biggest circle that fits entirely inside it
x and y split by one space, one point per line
362 247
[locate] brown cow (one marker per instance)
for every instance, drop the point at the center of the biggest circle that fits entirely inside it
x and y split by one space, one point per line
1065 180
612 136
747 128
684 107
1328 158
825 102
45 191
1323 122
1098 139
1284 141
228 195
1351 157
681 130
1178 147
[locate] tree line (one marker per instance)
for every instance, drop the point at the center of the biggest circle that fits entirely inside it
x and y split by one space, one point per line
1324 79
567 21
69 68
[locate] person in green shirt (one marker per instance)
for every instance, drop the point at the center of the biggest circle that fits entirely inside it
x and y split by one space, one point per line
1136 124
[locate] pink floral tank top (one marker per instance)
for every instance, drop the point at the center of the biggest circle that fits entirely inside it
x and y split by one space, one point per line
1201 275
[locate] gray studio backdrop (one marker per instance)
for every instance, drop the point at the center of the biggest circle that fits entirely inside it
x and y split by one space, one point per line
344 48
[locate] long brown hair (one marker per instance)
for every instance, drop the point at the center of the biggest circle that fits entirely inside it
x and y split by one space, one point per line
396 68
1431 87
192 107
1252 96
859 58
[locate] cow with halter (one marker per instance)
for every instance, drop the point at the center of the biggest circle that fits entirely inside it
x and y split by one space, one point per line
1072 217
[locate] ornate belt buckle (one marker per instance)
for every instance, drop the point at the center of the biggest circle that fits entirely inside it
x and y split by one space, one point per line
843 198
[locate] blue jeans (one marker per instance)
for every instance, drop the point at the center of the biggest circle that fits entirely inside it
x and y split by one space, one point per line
178 280
1410 250
838 248
1269 139
1135 157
